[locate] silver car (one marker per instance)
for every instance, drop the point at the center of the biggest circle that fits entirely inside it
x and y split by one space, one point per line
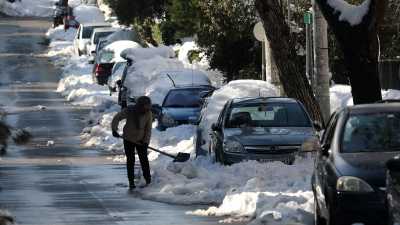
262 129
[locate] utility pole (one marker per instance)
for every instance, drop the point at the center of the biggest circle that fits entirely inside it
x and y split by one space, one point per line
321 62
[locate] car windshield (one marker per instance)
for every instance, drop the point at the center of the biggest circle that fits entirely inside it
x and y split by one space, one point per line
106 56
99 35
185 98
378 132
267 115
87 32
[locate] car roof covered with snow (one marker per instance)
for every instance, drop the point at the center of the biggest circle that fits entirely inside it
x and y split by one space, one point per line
119 46
249 100
187 77
96 25
105 29
374 108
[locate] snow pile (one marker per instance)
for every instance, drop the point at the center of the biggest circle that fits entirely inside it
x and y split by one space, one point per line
119 46
59 34
36 8
341 96
271 193
234 89
88 14
350 13
78 85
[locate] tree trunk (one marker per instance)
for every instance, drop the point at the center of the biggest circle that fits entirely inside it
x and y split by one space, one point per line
283 46
360 46
321 62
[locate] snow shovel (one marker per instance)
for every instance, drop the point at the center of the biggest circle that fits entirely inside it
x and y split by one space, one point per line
180 157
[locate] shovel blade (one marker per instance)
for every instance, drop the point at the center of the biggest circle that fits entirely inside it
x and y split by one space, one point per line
182 157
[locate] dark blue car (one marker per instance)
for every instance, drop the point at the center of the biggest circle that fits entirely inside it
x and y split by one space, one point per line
182 105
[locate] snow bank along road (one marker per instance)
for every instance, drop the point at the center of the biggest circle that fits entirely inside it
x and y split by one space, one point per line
54 180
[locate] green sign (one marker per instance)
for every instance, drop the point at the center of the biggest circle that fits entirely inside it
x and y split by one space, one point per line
307 17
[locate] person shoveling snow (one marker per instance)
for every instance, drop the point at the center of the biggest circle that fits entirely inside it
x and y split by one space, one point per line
136 135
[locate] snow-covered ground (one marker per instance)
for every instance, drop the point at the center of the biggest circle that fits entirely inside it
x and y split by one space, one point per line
36 8
271 193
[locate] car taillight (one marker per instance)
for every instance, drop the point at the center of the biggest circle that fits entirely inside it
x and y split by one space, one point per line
99 69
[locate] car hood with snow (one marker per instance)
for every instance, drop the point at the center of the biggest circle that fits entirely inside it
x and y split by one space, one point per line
271 136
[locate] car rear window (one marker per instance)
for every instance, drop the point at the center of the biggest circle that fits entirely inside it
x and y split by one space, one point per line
184 98
267 115
99 35
374 132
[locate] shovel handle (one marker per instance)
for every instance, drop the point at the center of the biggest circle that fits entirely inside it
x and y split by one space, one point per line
154 149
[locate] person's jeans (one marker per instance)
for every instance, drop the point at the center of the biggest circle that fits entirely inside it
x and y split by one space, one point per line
130 162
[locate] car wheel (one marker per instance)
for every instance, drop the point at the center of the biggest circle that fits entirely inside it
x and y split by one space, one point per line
318 220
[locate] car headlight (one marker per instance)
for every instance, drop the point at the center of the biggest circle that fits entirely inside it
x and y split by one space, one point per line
168 121
353 184
233 146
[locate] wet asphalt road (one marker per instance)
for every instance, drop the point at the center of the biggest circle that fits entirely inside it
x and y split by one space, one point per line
62 183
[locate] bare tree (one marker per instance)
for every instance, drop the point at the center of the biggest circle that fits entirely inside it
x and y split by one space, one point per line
283 46
359 43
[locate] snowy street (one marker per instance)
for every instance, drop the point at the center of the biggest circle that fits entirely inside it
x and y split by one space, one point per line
54 180
135 121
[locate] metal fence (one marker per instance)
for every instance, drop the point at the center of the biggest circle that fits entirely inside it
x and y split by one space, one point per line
389 73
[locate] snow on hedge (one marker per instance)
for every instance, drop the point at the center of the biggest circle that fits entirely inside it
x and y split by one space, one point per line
25 8
350 13
341 96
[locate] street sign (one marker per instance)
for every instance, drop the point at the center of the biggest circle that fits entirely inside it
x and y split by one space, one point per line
308 17
259 32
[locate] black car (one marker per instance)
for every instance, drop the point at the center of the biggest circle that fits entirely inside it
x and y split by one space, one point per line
393 190
262 128
349 176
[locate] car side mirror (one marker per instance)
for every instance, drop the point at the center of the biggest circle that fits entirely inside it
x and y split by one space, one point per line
393 164
318 126
215 127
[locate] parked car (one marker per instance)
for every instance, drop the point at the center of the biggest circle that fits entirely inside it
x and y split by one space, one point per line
118 72
107 57
393 190
349 176
182 105
102 67
97 34
83 35
263 129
